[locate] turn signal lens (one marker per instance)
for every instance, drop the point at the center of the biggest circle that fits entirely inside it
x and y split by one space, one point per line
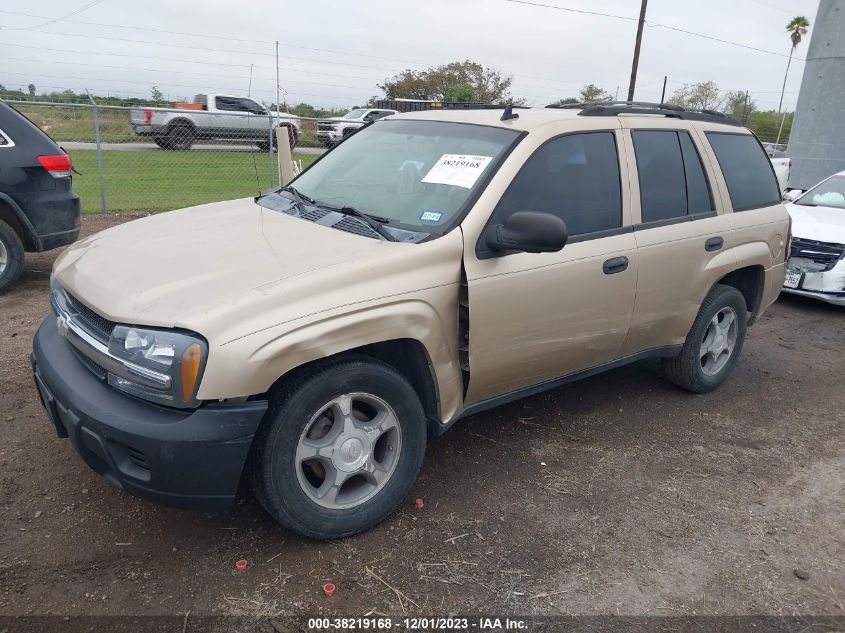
189 370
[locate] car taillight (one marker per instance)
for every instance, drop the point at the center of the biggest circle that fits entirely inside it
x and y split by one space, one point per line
59 165
148 116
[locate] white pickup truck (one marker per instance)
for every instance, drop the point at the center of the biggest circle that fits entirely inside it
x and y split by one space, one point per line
212 117
332 131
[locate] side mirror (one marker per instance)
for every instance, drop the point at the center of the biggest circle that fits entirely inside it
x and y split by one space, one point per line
528 232
793 194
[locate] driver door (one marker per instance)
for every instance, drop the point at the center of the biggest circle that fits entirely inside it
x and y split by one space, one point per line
535 318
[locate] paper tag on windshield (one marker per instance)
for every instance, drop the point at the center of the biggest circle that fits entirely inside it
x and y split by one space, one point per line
459 170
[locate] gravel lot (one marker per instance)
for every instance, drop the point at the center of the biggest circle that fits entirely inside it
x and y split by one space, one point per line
617 494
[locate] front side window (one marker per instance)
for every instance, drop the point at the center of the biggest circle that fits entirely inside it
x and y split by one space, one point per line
747 170
671 176
575 177
414 173
229 104
830 193
355 114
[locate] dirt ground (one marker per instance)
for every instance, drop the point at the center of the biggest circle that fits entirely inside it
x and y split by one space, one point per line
619 494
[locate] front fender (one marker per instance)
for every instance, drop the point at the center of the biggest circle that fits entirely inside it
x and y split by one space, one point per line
251 365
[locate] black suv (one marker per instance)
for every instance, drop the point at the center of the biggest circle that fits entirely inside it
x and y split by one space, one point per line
38 209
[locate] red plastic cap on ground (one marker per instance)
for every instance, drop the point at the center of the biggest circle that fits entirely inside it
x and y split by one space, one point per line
241 565
419 503
329 588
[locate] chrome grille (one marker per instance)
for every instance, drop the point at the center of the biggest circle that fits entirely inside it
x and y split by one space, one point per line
824 254
97 326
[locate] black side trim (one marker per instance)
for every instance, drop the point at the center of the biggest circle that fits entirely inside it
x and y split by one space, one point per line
656 352
586 237
642 226
36 239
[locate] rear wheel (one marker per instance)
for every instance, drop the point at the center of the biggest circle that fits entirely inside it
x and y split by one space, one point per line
162 142
340 449
713 344
180 137
11 256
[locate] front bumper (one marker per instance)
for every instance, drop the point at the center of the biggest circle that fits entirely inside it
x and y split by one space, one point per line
835 298
826 286
329 135
186 459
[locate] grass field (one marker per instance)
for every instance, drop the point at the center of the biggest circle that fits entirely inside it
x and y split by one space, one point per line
156 180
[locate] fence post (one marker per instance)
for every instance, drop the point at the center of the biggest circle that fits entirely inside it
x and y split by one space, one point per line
270 167
100 169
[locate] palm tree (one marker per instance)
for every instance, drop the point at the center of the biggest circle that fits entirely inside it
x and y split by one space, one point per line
796 28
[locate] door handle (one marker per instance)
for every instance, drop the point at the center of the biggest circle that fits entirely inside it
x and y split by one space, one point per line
615 265
713 244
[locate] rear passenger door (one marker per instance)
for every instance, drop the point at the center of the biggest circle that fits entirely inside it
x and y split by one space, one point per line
682 239
537 317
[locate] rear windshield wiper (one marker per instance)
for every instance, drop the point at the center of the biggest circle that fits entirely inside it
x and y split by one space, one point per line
376 223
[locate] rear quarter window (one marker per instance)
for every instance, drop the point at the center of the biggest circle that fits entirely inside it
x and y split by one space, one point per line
748 173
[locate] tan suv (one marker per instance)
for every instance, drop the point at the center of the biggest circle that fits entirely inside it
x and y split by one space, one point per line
432 265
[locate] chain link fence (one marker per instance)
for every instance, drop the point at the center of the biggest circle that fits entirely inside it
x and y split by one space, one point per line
157 159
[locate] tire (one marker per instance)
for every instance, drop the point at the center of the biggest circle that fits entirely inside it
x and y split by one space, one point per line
11 256
309 411
180 137
701 372
263 146
162 142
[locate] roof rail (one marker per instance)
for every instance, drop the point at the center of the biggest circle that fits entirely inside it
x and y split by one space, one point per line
614 108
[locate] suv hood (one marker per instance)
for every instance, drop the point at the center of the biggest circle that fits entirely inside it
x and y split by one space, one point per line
823 224
188 268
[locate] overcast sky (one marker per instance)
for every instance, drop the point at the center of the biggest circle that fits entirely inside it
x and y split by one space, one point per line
334 53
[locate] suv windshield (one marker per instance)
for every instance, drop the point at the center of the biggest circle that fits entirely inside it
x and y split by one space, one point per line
414 173
830 193
355 114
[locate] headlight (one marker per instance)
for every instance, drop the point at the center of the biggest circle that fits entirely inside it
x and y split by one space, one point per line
181 356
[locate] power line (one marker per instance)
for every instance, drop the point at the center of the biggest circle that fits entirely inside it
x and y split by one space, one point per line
650 24
222 37
178 72
718 39
193 87
570 10
251 41
170 59
58 19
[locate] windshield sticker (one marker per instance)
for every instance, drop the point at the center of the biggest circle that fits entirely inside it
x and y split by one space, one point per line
430 216
458 170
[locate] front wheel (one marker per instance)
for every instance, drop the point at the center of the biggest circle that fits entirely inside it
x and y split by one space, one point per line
340 449
713 344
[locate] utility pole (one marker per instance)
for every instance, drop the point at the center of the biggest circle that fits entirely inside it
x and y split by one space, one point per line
745 109
636 61
278 88
663 94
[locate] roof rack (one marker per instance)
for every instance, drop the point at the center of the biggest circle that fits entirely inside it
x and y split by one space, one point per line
614 108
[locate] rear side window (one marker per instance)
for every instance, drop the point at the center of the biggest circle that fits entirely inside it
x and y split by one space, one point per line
672 180
575 177
747 170
5 141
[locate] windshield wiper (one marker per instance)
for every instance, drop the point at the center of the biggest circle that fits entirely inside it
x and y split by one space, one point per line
376 223
299 198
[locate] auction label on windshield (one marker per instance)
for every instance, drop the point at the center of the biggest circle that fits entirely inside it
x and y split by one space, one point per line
459 170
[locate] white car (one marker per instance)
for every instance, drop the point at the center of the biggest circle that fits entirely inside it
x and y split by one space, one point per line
816 264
